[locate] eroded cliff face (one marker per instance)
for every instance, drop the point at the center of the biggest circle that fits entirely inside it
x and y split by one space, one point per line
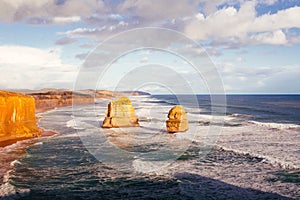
17 116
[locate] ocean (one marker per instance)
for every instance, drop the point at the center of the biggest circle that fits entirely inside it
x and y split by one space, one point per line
250 152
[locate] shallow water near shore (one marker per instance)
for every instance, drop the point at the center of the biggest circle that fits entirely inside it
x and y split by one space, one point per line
256 156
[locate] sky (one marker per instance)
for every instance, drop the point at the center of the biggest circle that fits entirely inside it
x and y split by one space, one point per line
253 46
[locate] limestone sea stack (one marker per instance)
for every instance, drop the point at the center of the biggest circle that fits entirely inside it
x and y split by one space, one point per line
17 116
177 121
120 113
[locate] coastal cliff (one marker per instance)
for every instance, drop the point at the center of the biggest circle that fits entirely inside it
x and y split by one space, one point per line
47 99
17 116
50 99
18 108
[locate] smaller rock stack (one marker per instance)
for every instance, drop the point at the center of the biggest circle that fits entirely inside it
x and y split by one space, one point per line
120 113
177 121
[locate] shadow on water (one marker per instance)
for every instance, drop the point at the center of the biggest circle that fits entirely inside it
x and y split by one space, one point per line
182 186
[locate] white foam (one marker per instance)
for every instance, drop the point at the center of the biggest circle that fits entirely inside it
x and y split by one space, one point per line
275 125
244 116
10 147
72 124
274 161
6 176
150 166
13 163
210 118
8 192
37 144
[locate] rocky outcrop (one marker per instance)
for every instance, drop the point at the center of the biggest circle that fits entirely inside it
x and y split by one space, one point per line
17 116
120 113
177 121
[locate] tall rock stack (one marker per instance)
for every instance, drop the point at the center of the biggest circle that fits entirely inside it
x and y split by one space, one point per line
17 116
120 113
177 121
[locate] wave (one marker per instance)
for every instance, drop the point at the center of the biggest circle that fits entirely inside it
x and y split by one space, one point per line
10 156
273 161
155 167
13 163
272 125
38 143
72 124
213 119
243 116
9 191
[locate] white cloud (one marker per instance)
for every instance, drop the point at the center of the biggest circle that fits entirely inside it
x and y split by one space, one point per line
288 18
157 9
79 31
223 26
93 33
65 41
134 14
244 26
211 6
276 38
49 10
228 26
66 19
28 67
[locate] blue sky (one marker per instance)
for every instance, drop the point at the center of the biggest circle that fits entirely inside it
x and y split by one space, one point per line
254 45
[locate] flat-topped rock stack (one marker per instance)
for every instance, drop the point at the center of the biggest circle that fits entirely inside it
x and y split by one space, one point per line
120 113
177 121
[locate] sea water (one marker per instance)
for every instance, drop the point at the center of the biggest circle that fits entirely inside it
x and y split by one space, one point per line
250 152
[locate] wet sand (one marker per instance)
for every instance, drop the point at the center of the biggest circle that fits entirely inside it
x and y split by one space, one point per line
13 141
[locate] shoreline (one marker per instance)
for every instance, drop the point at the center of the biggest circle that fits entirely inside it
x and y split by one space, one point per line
45 133
8 145
12 141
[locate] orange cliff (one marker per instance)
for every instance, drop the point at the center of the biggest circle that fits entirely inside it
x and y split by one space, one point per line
47 99
17 117
50 99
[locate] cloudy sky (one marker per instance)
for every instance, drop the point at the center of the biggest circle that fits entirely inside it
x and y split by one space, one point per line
255 45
